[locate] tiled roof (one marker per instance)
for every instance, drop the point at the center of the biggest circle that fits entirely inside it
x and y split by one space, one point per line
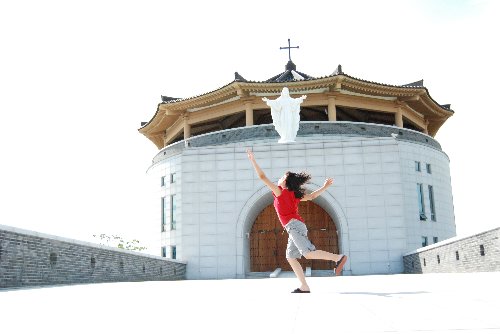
419 83
169 99
238 77
292 75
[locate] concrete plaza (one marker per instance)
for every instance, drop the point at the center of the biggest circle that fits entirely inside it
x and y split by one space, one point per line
429 303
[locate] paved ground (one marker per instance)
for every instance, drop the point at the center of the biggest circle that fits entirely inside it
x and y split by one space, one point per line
430 303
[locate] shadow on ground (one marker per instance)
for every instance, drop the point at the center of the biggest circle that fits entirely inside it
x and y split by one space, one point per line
383 294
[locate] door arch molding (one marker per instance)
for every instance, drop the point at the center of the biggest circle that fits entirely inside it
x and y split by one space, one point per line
268 240
262 198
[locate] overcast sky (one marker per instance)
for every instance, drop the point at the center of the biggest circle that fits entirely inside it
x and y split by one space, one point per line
78 77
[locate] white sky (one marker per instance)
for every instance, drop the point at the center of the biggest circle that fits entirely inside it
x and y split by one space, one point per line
78 77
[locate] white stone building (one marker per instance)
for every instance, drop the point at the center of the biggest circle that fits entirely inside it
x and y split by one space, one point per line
391 193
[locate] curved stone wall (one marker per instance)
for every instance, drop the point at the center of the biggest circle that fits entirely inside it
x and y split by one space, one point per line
374 200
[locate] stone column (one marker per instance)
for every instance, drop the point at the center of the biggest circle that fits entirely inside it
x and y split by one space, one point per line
249 113
332 109
187 127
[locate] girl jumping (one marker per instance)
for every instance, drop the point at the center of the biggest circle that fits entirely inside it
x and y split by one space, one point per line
287 195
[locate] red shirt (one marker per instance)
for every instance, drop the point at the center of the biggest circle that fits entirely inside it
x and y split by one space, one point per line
287 206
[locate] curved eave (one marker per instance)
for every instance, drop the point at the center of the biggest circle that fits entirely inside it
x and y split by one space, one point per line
168 112
417 97
370 87
202 100
154 129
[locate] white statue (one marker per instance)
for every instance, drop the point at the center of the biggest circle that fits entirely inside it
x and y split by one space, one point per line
285 111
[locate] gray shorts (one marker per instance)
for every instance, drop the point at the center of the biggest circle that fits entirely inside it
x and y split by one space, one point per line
298 243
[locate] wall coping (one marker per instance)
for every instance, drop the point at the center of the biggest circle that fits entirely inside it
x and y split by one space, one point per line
448 241
13 229
309 130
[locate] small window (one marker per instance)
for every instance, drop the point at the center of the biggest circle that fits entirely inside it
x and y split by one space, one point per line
173 252
162 181
173 223
421 204
417 166
424 241
428 168
424 263
457 256
481 250
439 259
163 213
431 202
53 259
164 251
435 240
172 178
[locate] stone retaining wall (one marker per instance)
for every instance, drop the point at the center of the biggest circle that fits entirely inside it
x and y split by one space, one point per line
29 258
479 252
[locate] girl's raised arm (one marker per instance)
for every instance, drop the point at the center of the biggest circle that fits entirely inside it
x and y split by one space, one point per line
274 188
316 193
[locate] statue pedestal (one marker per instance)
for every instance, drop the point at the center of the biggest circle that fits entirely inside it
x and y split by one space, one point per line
284 141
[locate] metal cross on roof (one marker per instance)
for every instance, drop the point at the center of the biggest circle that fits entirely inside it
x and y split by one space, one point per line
289 47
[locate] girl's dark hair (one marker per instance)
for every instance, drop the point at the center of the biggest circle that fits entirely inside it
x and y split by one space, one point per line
294 182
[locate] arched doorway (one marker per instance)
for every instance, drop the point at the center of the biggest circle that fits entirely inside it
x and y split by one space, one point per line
268 239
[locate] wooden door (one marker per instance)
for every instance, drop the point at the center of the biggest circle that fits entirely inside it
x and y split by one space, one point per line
268 239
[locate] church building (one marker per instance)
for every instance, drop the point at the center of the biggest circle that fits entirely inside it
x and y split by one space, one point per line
391 192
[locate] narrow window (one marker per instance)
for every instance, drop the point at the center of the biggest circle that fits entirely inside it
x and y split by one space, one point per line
424 241
53 259
163 213
439 260
172 178
431 201
428 168
417 166
421 204
162 181
435 240
481 250
172 212
457 256
164 251
173 252
424 263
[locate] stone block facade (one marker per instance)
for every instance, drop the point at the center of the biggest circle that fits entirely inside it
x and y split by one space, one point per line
476 253
215 195
29 259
